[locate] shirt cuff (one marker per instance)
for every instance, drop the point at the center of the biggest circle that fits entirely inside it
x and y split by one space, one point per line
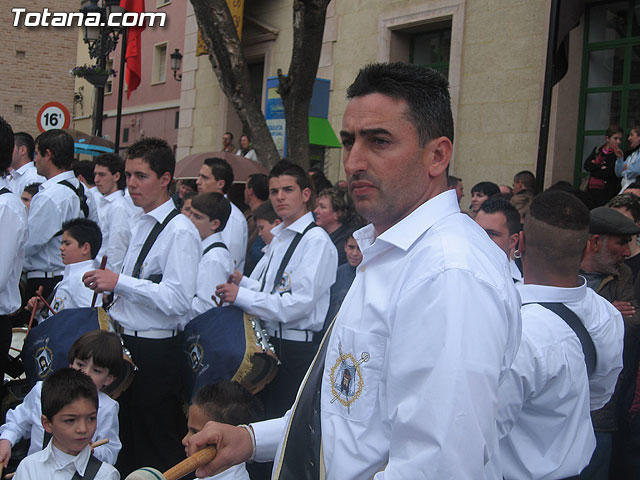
125 284
250 283
268 435
244 299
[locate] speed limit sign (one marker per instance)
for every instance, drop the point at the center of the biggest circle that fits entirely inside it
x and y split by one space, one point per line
53 115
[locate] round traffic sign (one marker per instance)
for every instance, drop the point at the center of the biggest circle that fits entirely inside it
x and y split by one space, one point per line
53 115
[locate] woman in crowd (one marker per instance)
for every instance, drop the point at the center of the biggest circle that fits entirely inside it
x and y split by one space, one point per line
246 149
629 168
603 181
480 193
334 212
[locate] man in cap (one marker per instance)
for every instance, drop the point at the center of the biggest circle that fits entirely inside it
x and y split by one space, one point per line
603 266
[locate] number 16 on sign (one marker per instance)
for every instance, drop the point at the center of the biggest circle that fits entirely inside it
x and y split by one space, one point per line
53 115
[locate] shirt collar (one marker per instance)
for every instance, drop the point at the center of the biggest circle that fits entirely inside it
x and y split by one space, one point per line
298 226
113 196
68 175
80 461
160 213
23 169
404 233
544 293
211 239
84 266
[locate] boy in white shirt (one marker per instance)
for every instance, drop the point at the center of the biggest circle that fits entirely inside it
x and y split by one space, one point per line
98 354
209 213
69 414
81 241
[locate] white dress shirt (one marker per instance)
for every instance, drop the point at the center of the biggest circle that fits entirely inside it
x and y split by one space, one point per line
24 176
545 400
13 220
301 300
71 292
214 268
253 281
53 464
114 213
93 202
24 421
516 274
237 472
430 325
144 305
235 236
53 205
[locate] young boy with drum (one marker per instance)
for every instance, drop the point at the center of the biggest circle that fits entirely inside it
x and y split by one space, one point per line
99 355
209 213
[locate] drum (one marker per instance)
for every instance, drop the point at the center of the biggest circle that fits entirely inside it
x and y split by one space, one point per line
226 343
47 345
17 343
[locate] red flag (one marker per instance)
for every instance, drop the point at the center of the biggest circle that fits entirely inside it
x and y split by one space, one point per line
133 72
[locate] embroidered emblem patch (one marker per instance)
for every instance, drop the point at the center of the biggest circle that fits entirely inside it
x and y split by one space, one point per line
346 378
58 304
195 356
285 283
43 359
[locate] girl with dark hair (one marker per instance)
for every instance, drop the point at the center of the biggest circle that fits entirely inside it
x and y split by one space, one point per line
629 168
603 182
480 193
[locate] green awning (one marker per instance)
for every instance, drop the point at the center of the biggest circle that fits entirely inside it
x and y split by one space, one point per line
321 133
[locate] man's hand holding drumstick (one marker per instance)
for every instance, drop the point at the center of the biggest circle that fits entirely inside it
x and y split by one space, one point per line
100 280
227 292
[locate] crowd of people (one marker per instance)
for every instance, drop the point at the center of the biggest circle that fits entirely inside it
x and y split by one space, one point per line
418 336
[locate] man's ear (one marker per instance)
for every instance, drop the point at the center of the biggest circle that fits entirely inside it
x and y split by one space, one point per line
594 243
215 225
116 176
46 424
437 155
306 194
513 240
85 248
165 179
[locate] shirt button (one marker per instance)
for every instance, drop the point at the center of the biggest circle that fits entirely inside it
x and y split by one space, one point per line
363 268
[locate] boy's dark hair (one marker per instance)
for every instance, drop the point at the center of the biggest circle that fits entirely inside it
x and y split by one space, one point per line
265 212
32 188
488 188
221 170
61 146
259 183
190 183
103 347
115 164
214 206
6 146
230 135
84 168
23 139
228 402
85 231
629 201
425 91
63 387
527 178
285 167
156 153
452 181
502 205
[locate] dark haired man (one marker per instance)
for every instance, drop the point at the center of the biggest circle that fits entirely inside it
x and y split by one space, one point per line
550 389
227 143
524 181
629 205
216 175
455 183
293 297
57 201
501 221
407 380
114 211
23 170
13 219
152 304
256 192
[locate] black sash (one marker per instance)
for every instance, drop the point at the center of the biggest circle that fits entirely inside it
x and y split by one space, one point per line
4 190
81 196
148 243
214 245
285 260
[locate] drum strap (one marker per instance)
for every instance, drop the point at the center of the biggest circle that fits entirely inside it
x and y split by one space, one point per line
572 320
148 243
4 190
287 256
214 245
81 196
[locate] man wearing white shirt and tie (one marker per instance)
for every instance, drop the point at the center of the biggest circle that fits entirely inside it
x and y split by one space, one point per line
405 384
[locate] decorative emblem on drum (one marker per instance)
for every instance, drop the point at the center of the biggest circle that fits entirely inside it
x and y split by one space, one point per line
285 283
346 378
196 353
43 358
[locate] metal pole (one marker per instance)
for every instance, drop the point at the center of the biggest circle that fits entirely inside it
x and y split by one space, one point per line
102 62
123 58
543 140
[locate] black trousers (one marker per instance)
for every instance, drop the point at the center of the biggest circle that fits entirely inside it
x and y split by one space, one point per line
152 420
5 342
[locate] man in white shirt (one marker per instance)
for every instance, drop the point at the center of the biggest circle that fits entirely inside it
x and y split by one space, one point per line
545 400
114 211
216 175
56 202
408 376
13 219
152 302
293 297
23 170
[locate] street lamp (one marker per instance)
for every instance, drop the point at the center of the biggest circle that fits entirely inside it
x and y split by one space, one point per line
101 40
176 63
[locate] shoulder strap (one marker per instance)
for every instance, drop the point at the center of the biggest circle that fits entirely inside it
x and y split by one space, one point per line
148 243
287 256
571 319
81 196
4 190
214 245
90 472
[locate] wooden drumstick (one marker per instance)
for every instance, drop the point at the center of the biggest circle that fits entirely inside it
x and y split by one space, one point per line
46 304
33 312
198 459
98 443
103 265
